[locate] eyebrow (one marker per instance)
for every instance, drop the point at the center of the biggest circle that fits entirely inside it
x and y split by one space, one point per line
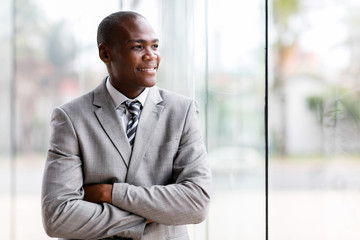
142 40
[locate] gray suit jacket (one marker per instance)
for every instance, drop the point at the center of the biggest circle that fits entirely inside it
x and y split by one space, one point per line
165 178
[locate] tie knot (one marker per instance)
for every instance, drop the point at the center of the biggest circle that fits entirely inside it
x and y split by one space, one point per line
133 107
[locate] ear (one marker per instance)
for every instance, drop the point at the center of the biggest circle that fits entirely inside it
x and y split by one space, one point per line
104 52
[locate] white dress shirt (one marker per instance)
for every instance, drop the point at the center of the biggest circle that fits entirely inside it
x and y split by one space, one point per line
119 99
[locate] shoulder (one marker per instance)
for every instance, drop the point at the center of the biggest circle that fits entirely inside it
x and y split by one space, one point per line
176 105
78 104
175 99
90 100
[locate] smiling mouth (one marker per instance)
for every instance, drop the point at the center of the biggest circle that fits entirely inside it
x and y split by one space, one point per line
147 69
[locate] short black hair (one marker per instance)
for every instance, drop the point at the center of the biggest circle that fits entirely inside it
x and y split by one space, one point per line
109 24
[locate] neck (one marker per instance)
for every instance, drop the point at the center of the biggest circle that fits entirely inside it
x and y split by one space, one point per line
130 93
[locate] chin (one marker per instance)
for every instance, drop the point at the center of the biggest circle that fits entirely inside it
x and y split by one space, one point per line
150 83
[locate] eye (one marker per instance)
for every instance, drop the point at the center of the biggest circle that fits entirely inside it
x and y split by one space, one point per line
155 46
137 47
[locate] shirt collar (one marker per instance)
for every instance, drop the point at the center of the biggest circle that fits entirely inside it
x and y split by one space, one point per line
118 98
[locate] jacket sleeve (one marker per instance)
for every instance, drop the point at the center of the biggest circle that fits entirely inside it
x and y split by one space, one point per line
65 214
186 201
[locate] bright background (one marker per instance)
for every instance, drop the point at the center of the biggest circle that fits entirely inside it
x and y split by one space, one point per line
314 169
213 51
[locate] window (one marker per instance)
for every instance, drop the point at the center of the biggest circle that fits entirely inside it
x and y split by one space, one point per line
214 52
314 120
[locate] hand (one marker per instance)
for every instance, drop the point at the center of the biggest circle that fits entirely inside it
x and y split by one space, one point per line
98 193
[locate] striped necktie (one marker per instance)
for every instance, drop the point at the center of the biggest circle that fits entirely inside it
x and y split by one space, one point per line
134 109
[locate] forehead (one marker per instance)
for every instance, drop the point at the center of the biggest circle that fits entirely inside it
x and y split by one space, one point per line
135 29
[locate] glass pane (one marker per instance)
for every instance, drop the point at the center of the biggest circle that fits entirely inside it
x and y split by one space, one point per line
314 120
6 72
204 55
236 118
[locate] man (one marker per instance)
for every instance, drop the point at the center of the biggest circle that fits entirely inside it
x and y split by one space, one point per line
126 160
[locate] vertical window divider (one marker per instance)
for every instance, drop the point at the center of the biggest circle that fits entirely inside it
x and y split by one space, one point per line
206 92
266 113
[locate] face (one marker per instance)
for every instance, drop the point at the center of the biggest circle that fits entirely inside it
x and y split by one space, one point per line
132 58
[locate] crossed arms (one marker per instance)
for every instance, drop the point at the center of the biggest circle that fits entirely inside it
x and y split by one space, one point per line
72 210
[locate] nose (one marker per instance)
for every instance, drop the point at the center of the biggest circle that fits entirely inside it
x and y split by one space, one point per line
149 55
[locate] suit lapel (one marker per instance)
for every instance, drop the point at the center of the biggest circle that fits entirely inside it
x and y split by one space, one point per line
110 122
147 123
